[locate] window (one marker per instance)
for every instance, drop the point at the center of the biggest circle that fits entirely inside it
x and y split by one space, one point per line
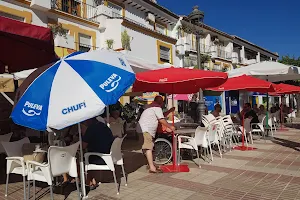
71 6
84 42
21 19
164 52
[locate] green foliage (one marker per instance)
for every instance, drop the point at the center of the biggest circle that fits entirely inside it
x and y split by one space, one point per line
57 29
125 40
110 43
290 60
205 59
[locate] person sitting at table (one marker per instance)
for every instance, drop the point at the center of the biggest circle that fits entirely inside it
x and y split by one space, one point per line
116 123
255 108
217 110
248 112
97 138
262 110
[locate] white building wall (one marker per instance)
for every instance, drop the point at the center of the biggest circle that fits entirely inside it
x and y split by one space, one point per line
142 46
113 31
207 39
229 47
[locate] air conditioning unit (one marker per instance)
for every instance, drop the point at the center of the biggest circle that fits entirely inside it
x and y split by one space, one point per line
150 17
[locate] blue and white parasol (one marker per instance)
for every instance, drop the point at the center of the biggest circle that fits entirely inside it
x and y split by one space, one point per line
76 88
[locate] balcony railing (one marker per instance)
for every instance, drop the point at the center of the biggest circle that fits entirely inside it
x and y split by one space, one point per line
224 54
84 47
203 48
76 8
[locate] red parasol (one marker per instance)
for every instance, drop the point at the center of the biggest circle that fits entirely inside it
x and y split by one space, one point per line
247 83
177 81
282 88
24 46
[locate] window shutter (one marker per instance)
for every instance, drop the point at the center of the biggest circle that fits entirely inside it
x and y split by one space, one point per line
165 53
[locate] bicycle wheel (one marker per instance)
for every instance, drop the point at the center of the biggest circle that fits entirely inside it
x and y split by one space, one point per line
162 151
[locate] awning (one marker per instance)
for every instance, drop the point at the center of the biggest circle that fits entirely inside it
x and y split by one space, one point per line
24 46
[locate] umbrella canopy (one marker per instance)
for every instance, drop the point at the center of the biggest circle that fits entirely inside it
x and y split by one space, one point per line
76 88
245 82
285 89
267 70
26 46
177 80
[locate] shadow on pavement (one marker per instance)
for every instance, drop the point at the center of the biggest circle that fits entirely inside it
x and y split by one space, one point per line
287 143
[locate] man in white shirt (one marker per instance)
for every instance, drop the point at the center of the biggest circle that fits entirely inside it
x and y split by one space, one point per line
148 123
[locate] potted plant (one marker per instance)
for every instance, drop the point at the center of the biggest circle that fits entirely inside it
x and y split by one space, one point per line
110 43
126 40
57 29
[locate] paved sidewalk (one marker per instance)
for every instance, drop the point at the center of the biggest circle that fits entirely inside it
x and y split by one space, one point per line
270 172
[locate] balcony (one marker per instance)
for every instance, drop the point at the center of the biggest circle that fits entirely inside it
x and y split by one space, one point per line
236 59
64 41
206 49
218 52
76 8
84 47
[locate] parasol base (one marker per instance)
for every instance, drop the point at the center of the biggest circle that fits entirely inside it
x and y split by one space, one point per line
174 168
244 148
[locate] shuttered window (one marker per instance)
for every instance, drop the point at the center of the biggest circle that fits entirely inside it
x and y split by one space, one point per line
164 54
84 43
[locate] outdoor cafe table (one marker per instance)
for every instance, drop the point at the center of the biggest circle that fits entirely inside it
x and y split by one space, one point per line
189 125
185 131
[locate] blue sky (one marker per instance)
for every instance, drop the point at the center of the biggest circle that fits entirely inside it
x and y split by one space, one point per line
271 24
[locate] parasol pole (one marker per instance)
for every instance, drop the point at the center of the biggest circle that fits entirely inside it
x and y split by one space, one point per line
82 177
173 136
243 133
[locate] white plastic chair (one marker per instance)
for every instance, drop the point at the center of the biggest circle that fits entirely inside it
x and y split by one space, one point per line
15 161
227 132
213 138
229 126
192 143
291 116
247 125
259 127
270 126
61 160
4 138
113 158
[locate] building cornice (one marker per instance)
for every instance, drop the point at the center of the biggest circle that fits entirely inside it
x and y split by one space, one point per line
149 32
165 10
185 22
238 39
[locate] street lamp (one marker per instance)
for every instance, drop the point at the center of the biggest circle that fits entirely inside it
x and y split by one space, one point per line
196 18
